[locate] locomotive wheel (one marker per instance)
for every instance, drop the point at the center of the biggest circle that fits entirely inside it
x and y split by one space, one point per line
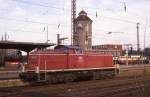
109 75
60 78
103 76
52 79
69 78
96 75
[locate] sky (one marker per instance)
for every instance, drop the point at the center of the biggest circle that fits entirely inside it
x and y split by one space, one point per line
26 20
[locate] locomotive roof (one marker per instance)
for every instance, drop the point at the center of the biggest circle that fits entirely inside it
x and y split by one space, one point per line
67 47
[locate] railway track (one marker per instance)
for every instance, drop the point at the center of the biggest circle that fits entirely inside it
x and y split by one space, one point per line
9 74
133 86
126 87
107 90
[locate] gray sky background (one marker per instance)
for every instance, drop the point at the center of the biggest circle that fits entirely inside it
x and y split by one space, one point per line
24 20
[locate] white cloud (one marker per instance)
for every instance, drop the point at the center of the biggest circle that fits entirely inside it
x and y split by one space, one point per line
18 12
4 4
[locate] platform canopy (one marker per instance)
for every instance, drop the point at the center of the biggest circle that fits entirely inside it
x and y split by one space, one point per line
24 46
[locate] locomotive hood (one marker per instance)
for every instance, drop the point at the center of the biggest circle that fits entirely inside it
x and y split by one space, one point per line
66 47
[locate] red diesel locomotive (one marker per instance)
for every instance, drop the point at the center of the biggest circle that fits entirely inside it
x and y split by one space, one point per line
66 64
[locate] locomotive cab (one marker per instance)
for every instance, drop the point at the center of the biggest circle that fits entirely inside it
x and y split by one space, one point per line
69 49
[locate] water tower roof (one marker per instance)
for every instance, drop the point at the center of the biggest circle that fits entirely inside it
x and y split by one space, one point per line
82 13
83 17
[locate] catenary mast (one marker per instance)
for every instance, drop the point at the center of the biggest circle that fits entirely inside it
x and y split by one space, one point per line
73 17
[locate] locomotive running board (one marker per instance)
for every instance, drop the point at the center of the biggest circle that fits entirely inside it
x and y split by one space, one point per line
106 68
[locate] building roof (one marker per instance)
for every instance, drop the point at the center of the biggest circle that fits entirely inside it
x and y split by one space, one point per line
82 13
25 46
109 45
83 16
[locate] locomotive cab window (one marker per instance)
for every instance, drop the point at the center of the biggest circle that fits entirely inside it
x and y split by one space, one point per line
65 50
78 51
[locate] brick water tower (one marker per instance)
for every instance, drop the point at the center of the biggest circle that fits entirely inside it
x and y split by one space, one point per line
83 33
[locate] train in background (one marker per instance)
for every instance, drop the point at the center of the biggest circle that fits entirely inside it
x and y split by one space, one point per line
67 64
132 59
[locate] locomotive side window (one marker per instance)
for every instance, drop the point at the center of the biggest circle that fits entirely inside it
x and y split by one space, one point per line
62 49
78 51
65 50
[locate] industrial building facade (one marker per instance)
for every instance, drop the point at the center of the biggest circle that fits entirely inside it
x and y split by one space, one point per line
114 49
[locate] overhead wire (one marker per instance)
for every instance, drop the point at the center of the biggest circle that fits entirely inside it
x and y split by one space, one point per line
61 8
58 8
38 4
29 21
56 25
43 5
20 20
